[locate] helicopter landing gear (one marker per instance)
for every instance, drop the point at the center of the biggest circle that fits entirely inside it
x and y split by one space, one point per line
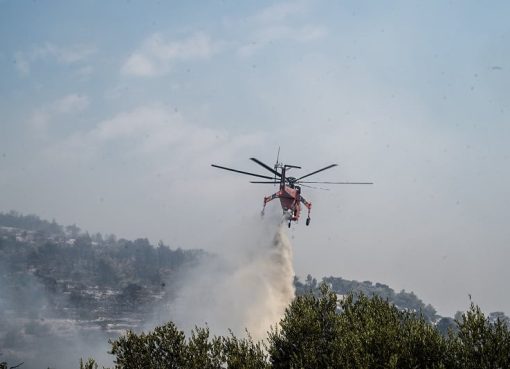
308 221
266 200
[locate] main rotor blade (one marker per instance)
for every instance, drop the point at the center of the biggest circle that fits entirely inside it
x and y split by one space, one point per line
337 182
316 188
264 182
266 166
317 171
240 171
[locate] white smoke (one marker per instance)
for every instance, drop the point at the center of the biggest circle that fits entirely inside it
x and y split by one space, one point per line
248 287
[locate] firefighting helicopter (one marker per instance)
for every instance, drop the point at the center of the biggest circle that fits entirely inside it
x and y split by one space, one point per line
290 187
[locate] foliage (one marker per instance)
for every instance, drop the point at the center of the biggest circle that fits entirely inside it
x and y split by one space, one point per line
29 222
243 353
322 332
202 352
167 348
66 261
306 334
162 348
89 364
479 343
402 300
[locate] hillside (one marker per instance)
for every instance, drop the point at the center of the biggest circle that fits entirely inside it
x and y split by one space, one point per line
68 273
89 276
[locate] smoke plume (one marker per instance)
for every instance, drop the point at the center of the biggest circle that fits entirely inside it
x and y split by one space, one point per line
248 287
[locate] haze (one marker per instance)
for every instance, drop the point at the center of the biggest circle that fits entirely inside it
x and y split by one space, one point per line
111 114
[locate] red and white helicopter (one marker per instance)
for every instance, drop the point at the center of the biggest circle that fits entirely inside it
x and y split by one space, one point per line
290 187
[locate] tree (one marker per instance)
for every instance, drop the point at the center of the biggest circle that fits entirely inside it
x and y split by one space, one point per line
243 353
89 364
361 332
162 348
306 333
202 353
479 343
167 348
73 230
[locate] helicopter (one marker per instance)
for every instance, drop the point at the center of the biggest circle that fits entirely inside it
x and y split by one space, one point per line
289 191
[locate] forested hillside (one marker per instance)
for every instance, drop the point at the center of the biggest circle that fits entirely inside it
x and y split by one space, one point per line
82 275
93 275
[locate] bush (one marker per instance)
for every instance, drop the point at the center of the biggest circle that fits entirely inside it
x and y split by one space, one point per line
478 343
167 348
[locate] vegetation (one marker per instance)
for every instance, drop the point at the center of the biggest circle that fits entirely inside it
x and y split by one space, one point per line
403 300
323 332
479 342
80 273
58 252
167 347
334 324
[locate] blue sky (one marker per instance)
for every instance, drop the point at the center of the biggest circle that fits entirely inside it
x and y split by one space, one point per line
113 111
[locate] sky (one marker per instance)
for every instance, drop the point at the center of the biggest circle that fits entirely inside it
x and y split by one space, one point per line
112 112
